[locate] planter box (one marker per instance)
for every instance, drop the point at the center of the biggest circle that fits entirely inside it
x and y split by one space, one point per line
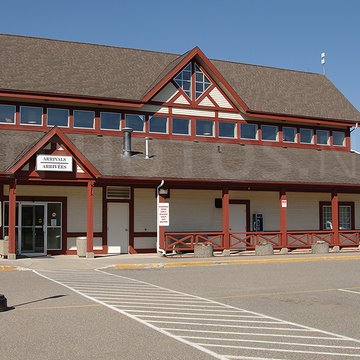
320 247
264 249
81 246
4 248
203 250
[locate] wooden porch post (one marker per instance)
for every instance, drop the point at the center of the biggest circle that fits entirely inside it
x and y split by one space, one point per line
225 218
335 217
283 226
90 220
12 220
162 199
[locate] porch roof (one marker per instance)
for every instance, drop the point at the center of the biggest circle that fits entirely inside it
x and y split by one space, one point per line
191 160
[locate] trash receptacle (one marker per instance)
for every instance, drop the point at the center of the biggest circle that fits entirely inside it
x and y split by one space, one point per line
81 246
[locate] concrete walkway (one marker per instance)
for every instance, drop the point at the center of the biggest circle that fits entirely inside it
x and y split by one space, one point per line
153 261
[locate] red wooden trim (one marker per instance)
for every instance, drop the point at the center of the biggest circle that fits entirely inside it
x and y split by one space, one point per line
335 216
225 217
283 211
297 119
1 209
12 217
90 218
104 217
74 252
144 251
36 95
145 234
74 234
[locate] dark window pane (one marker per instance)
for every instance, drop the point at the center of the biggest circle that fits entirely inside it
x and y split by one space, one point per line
7 114
306 136
226 129
109 121
84 119
158 124
338 138
57 117
269 132
135 122
31 115
248 131
289 134
204 127
322 137
180 126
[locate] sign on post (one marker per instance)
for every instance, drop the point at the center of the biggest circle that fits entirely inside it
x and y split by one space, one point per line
163 214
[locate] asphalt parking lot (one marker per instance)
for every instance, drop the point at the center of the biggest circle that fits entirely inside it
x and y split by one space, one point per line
243 312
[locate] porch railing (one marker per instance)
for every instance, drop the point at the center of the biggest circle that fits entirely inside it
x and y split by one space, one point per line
185 241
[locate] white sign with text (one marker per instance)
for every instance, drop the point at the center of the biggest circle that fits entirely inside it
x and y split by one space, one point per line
163 214
54 163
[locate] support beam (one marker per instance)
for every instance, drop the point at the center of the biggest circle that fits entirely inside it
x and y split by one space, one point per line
283 226
12 220
225 218
90 220
335 217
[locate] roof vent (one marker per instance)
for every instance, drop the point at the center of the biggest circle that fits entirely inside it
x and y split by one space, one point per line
118 192
127 141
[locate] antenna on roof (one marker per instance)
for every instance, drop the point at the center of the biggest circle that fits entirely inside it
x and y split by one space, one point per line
323 61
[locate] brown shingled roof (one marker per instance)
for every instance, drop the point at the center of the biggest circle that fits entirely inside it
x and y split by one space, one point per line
62 67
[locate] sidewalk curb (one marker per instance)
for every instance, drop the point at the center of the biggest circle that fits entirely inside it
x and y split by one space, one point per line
232 262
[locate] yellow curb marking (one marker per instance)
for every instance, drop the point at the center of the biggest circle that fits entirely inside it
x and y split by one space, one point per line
234 262
280 293
57 307
7 268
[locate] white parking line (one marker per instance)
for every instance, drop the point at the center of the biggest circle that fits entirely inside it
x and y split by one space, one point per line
207 325
350 291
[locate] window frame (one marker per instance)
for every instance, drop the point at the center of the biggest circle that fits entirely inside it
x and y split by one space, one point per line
350 204
312 136
181 118
81 127
157 132
295 137
212 128
328 137
32 107
47 117
220 121
110 112
344 141
140 115
9 123
256 132
270 126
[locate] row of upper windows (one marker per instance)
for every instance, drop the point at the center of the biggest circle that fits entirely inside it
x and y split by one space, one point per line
82 119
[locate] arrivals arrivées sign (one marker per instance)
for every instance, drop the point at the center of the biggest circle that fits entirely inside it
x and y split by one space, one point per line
54 163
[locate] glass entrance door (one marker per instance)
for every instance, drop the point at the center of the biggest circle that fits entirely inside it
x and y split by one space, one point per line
33 228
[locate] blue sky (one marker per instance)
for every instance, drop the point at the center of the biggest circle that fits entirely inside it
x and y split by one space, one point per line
281 33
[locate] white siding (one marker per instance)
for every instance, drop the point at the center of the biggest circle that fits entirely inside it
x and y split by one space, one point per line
303 210
235 116
145 243
220 98
76 203
181 100
71 243
165 94
206 102
193 112
262 202
155 109
145 210
194 210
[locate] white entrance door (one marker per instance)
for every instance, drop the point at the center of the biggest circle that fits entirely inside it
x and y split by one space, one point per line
237 219
118 228
237 222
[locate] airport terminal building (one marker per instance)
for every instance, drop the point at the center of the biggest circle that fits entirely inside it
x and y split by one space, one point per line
94 139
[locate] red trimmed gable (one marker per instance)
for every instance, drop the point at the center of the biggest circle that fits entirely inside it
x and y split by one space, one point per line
218 96
54 143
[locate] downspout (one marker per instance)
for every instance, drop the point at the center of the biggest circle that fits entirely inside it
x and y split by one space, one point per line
158 250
